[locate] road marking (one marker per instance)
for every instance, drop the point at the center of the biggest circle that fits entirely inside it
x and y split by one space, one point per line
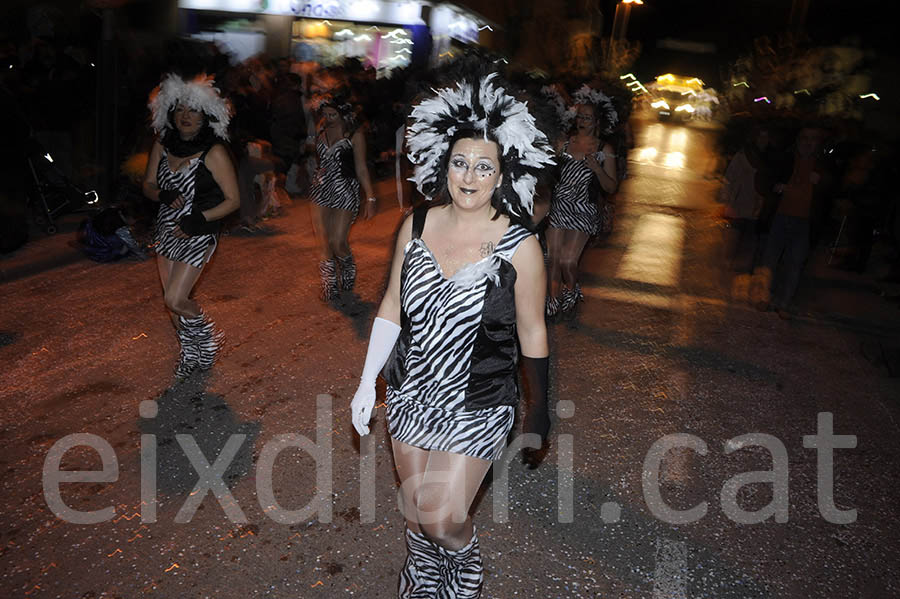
670 578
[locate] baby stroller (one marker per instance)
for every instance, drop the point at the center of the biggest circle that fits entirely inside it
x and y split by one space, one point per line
50 192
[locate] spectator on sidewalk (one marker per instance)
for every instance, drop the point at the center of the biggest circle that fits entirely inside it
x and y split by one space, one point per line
862 207
288 125
743 196
800 185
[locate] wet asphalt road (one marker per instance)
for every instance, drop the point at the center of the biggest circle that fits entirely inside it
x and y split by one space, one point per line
658 352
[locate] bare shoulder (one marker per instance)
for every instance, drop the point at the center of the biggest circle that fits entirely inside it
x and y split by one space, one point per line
406 228
218 153
529 256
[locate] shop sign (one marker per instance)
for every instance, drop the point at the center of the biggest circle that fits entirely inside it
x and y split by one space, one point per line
445 21
403 12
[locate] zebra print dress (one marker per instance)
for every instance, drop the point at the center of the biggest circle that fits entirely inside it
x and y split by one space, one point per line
192 250
332 186
428 409
572 206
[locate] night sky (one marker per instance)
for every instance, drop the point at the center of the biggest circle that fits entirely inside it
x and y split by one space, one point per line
733 25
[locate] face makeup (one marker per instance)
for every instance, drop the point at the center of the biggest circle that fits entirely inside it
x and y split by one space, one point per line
584 118
473 172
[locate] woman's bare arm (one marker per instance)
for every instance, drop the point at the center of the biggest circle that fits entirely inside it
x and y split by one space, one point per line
605 173
359 159
150 186
219 164
390 304
531 289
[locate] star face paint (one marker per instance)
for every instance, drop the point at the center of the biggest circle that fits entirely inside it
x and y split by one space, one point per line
473 172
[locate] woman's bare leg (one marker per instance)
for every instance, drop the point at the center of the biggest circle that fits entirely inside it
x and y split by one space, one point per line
573 243
340 247
445 496
410 462
322 217
180 282
164 266
340 233
555 239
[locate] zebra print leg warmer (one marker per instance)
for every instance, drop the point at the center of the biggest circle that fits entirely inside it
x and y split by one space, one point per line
348 271
209 341
190 354
462 572
551 306
567 300
328 272
420 577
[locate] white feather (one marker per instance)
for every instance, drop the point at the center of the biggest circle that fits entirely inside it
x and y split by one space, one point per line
519 138
199 94
471 274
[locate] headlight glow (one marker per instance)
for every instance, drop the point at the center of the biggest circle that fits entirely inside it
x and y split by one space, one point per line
686 108
660 104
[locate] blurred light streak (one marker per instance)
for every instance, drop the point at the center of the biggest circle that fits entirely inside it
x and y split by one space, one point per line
674 160
646 154
678 140
654 251
762 98
870 96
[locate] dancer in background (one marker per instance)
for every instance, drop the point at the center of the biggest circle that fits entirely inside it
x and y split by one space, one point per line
466 291
587 170
190 173
341 153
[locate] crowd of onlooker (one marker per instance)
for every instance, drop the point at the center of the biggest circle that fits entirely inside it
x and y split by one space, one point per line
790 183
795 184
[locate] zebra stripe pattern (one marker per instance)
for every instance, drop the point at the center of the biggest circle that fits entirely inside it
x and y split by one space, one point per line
428 410
190 353
193 249
433 572
571 206
330 188
348 271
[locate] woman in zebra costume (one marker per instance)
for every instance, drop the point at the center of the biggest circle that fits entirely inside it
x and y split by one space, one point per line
587 162
467 286
341 154
189 172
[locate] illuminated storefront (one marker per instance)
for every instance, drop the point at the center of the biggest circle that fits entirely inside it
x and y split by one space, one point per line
381 33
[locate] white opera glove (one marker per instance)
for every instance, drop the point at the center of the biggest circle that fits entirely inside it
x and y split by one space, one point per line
381 343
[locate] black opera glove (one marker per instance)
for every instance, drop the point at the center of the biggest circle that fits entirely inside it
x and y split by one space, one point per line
193 223
537 418
168 196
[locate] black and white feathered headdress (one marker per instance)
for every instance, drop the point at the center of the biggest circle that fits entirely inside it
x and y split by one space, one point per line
337 101
199 93
483 106
604 111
